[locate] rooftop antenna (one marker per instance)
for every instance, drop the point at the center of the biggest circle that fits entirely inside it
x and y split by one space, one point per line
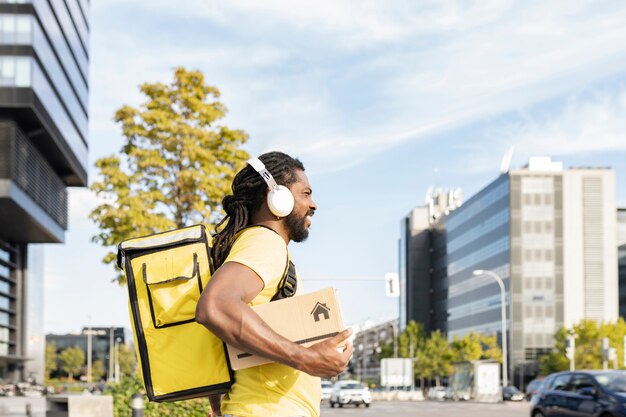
506 160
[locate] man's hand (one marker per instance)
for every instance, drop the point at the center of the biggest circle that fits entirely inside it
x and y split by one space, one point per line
325 359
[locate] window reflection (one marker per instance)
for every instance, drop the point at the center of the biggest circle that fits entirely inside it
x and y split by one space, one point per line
15 29
5 319
4 272
15 71
5 303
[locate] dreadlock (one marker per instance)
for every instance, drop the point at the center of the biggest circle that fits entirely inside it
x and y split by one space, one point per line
249 193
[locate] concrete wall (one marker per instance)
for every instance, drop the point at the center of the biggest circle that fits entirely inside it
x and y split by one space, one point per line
589 246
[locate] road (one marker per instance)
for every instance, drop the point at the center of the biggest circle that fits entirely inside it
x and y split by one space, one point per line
430 408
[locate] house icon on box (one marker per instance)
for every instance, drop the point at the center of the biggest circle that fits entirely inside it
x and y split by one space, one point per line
319 310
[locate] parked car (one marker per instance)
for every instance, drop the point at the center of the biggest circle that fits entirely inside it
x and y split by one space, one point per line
532 388
582 394
327 390
437 393
350 392
511 393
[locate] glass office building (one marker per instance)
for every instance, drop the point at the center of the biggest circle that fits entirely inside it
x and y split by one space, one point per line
104 344
549 233
478 237
621 255
43 150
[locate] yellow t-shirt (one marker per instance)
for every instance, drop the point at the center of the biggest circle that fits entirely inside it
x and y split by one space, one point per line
273 389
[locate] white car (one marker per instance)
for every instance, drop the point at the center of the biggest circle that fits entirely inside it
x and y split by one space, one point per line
350 392
437 393
327 390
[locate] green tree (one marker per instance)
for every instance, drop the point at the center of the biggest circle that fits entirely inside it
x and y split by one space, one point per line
439 355
72 360
97 370
127 359
51 359
129 385
175 166
588 336
466 349
490 347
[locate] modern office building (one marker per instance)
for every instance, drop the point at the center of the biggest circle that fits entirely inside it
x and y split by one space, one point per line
549 233
621 256
104 342
43 149
421 244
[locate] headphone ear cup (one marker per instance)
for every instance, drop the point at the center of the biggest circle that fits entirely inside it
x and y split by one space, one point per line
280 201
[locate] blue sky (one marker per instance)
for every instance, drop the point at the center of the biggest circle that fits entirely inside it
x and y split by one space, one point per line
380 100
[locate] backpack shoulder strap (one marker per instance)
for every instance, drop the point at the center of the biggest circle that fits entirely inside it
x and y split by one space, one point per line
288 283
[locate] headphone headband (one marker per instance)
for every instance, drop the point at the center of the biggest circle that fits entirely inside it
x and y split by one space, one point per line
279 198
265 174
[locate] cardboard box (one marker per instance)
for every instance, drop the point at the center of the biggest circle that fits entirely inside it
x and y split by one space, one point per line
304 319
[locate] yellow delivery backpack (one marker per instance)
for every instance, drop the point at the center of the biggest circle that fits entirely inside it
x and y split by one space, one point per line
166 273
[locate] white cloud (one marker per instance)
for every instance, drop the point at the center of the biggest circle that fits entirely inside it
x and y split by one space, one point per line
81 202
339 82
583 125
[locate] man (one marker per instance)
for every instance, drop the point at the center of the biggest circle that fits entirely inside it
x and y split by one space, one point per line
250 254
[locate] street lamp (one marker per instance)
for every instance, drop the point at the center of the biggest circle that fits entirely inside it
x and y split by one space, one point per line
495 276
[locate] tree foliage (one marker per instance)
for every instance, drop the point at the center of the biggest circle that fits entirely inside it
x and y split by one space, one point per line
433 356
127 359
588 336
51 359
176 164
97 370
72 360
129 385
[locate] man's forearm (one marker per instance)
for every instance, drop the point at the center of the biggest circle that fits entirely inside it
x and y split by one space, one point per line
238 325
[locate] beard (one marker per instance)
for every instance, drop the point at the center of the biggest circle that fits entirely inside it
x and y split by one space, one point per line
296 229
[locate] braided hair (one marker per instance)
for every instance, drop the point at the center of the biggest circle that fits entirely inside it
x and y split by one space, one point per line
249 193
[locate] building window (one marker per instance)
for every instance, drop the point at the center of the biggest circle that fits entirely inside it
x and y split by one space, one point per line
4 319
5 303
15 71
15 29
528 227
547 199
528 199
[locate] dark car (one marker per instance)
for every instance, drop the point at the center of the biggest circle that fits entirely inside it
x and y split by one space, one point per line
581 394
532 388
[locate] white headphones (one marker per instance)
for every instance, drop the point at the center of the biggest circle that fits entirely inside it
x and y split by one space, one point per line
279 199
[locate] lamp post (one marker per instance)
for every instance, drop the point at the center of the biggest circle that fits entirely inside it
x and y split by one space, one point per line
495 276
117 359
89 354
